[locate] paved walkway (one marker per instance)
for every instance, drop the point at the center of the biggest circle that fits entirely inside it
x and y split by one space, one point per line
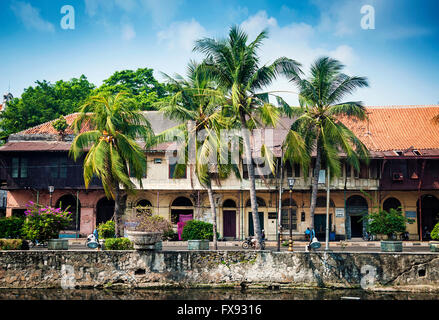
339 246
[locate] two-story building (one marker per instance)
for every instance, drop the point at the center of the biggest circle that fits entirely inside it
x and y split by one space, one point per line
403 172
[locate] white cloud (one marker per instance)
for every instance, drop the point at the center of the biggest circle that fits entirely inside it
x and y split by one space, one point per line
181 35
31 18
295 41
162 11
128 32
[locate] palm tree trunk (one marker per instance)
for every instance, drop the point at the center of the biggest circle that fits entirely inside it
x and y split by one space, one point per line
213 207
120 204
251 176
315 185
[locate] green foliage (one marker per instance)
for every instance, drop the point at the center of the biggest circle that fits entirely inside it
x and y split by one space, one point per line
170 235
60 124
140 85
387 223
11 244
118 244
44 102
198 230
140 221
106 229
11 227
435 232
44 223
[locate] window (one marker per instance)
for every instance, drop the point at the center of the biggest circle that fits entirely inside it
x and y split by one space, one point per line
58 168
19 168
177 171
348 170
285 214
296 170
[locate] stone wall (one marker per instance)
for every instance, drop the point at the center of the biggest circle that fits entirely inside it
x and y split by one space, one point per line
84 269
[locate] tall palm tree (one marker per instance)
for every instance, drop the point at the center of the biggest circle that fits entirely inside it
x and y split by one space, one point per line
234 64
112 151
197 100
318 118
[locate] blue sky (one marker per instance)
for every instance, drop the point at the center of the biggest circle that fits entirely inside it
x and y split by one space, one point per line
400 56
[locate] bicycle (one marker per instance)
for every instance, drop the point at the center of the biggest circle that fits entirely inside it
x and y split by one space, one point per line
251 243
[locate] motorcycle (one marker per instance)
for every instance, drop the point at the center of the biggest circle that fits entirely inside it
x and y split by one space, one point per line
251 242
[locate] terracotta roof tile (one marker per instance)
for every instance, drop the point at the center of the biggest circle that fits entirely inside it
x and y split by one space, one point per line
397 128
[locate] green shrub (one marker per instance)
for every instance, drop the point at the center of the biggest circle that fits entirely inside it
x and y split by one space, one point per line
11 244
170 235
198 230
11 227
118 244
387 223
44 223
107 229
435 232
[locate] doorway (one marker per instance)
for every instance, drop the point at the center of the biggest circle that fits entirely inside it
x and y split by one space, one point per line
428 214
251 229
104 210
320 225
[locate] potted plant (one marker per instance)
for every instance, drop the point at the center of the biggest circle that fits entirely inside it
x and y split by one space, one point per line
434 245
43 224
146 230
198 234
388 223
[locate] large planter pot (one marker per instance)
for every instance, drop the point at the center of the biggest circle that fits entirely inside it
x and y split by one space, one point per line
58 244
434 246
144 240
391 246
198 244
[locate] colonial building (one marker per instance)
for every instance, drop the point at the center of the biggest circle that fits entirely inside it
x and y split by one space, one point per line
403 172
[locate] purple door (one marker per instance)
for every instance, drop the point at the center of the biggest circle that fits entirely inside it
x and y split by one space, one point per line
229 223
183 218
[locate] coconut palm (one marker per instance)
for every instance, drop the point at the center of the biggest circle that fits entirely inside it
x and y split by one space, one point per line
317 119
196 104
234 64
113 155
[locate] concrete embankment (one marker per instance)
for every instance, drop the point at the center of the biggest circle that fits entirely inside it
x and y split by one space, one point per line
161 269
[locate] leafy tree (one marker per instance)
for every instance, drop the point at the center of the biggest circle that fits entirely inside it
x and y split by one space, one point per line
44 102
197 99
234 64
112 148
141 84
318 118
385 222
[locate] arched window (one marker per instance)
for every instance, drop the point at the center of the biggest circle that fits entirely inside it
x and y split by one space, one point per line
182 202
321 202
391 203
68 202
229 203
260 201
144 206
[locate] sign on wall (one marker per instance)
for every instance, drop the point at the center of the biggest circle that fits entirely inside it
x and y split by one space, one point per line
339 212
410 214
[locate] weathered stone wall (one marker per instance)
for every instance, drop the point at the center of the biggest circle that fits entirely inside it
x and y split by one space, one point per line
82 269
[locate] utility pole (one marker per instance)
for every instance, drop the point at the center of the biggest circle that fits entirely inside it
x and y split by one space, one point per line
327 212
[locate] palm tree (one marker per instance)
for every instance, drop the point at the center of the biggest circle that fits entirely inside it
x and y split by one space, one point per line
318 118
234 65
112 151
197 100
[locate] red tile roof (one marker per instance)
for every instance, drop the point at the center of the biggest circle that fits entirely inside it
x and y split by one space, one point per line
397 128
47 128
388 128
